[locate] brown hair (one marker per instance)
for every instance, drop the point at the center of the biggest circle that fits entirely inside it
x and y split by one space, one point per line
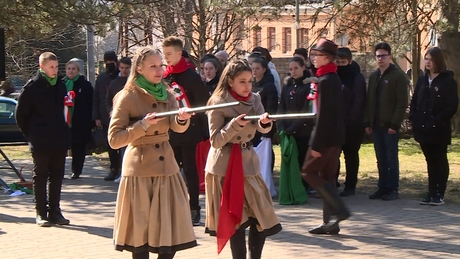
438 60
215 63
231 71
141 54
173 41
45 56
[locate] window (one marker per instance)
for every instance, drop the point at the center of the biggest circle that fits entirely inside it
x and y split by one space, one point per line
287 40
271 36
304 38
7 109
256 36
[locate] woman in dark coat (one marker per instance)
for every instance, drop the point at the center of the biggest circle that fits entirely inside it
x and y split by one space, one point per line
79 107
433 105
211 74
294 99
264 85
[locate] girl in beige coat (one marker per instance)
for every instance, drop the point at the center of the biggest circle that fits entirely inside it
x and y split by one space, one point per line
236 195
152 212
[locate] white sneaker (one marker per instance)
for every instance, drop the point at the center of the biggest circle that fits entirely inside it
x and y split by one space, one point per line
117 180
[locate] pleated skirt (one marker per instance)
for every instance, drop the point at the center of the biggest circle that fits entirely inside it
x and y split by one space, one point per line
258 205
153 213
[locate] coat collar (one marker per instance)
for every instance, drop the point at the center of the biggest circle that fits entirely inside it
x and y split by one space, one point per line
243 107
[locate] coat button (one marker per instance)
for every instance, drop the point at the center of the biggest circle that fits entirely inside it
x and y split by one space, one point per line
238 138
154 105
162 158
423 126
157 145
156 132
249 136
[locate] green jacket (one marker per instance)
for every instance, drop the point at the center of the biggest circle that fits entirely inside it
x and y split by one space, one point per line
392 104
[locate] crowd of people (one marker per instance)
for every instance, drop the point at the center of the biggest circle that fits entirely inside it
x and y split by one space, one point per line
154 159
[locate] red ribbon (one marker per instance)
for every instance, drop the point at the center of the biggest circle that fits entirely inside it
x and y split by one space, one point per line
231 203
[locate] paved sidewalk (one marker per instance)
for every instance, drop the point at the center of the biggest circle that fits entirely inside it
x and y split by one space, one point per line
377 229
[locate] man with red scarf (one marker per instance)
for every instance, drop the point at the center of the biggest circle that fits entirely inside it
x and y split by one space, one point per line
190 92
327 137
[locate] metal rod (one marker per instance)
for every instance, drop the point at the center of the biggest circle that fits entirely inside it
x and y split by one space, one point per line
291 116
198 109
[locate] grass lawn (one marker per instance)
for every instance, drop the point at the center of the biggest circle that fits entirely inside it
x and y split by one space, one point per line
413 172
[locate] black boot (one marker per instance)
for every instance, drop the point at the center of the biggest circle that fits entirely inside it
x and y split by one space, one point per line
238 244
42 219
113 174
55 217
74 176
196 216
326 227
256 242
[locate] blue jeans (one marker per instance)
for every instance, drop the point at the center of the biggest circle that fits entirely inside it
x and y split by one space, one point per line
386 151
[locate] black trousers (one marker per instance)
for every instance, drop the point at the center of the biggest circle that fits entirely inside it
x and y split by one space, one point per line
78 157
186 158
115 155
49 167
256 243
353 140
438 167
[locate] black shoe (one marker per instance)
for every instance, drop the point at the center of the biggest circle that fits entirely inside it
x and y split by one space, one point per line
42 221
378 194
112 175
426 200
74 176
437 200
326 228
393 195
55 217
196 217
347 192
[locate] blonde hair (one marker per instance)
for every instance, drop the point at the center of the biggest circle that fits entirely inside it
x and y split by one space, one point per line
71 62
46 56
231 71
141 54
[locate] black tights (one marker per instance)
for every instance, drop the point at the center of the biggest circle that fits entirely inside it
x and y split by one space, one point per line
256 243
145 255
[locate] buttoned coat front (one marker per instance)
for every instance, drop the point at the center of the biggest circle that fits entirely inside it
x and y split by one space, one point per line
224 131
149 152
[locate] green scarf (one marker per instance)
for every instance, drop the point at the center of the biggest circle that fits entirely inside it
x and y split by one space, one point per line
157 90
50 80
69 84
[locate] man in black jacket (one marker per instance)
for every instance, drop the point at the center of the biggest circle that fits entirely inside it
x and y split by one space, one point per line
327 137
119 83
40 117
190 92
100 113
354 103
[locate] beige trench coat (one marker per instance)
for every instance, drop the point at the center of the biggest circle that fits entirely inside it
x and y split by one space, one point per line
224 129
148 152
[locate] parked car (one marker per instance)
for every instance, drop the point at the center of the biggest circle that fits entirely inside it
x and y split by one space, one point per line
9 130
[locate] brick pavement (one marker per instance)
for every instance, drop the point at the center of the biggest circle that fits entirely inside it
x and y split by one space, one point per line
377 229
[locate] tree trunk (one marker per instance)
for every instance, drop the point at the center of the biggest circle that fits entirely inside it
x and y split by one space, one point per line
449 43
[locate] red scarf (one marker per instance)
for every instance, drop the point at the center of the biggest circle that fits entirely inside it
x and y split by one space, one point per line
239 97
178 68
231 203
326 69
